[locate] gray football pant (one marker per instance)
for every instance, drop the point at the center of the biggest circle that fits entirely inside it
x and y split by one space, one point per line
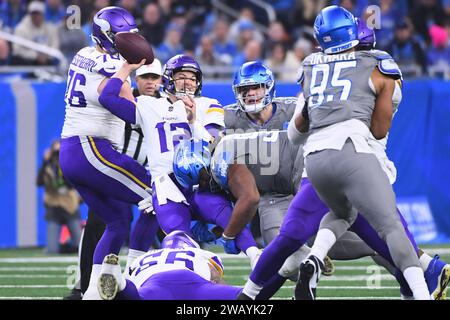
272 209
350 182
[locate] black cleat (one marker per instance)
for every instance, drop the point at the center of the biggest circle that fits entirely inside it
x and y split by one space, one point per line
310 270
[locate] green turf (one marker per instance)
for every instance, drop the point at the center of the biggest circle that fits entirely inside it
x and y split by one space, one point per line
26 277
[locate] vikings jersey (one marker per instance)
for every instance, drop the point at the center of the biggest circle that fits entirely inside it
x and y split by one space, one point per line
164 124
209 111
269 155
156 261
85 116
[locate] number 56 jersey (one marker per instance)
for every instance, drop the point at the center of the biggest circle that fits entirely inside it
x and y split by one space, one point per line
163 260
85 116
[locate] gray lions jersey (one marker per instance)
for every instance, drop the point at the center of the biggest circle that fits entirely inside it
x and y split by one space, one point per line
268 154
338 87
284 108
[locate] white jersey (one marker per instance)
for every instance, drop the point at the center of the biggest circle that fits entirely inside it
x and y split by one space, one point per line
162 260
209 111
163 125
85 116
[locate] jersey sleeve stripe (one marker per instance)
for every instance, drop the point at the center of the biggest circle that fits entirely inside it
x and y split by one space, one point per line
216 266
218 110
116 167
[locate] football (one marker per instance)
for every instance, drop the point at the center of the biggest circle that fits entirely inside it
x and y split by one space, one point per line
134 47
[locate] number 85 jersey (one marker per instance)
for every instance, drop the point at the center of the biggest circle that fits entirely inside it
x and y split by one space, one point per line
85 116
163 260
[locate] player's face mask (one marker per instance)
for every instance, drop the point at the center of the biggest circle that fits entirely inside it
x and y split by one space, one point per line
186 83
252 97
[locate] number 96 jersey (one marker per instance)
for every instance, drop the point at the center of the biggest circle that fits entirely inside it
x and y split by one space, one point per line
85 116
162 260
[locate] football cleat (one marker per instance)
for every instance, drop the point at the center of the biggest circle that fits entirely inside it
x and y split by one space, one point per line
310 270
437 277
108 282
328 267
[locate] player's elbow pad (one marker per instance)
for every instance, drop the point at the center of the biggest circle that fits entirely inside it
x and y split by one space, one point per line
295 136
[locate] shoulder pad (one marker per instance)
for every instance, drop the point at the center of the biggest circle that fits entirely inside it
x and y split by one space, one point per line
231 107
390 68
380 54
285 101
300 75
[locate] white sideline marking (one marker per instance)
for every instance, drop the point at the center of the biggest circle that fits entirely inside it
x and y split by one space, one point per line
33 276
336 278
348 287
33 269
30 298
33 286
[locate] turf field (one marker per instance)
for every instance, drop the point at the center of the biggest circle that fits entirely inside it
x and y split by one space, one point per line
30 274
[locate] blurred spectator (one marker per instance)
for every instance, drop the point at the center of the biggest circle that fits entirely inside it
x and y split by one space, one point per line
283 62
390 16
407 51
11 13
302 48
55 12
247 32
33 27
426 14
189 36
225 48
60 199
133 8
253 51
172 43
283 10
304 14
4 52
438 56
245 22
70 41
206 56
166 9
276 34
153 26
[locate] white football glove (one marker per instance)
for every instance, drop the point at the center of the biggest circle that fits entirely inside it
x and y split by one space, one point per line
146 205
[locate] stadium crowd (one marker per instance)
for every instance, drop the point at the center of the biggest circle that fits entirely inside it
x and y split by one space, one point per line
415 33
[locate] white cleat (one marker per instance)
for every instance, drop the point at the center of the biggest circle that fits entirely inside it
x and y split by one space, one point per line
110 278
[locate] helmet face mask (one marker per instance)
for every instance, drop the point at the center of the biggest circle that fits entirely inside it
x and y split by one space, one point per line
253 87
181 64
107 23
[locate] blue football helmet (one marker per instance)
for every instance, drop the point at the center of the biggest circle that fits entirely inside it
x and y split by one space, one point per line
190 157
179 240
335 29
180 62
250 74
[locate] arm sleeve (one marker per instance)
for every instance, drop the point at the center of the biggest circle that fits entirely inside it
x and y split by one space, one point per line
120 107
295 136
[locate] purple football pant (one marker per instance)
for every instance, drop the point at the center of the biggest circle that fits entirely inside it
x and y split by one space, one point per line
213 208
301 222
179 285
108 182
